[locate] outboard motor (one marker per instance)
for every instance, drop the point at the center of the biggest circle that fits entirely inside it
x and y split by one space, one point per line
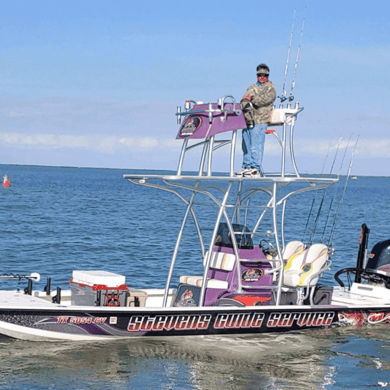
377 267
379 260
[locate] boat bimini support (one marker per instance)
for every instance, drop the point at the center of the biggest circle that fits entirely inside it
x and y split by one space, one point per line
202 123
213 238
176 250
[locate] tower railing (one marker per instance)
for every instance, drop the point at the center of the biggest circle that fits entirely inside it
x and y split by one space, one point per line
204 121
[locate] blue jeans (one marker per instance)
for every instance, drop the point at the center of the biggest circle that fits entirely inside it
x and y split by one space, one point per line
253 141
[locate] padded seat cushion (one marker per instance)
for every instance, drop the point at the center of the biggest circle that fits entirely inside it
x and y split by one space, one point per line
198 282
292 250
219 260
307 266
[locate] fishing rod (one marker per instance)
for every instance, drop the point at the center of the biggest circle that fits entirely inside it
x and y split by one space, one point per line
335 191
314 198
34 276
337 215
323 197
283 97
291 97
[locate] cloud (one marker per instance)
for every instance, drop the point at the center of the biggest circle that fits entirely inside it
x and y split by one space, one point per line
112 144
374 148
321 147
139 142
104 144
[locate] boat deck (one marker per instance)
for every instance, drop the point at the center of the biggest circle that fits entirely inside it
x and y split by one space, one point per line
18 299
361 296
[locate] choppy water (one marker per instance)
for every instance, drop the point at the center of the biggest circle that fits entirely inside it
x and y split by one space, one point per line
55 220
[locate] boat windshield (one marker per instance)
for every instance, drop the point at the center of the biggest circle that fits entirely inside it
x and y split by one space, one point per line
243 236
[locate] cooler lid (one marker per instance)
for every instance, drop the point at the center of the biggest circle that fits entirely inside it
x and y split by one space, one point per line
93 277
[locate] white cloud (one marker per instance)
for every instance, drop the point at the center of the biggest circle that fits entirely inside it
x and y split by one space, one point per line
374 148
321 147
104 144
111 144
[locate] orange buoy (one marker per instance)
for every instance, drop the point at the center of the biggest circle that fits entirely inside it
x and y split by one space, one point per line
6 182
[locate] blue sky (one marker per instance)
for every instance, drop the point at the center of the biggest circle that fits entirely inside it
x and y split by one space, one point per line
96 83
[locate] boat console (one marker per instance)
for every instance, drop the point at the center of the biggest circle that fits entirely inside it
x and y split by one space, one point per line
224 272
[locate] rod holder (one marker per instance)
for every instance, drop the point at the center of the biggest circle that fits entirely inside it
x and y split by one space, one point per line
47 287
57 298
28 289
178 115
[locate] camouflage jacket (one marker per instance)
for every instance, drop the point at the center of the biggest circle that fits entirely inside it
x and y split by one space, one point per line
263 98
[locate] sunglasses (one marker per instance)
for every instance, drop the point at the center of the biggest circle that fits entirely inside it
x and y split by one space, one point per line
262 75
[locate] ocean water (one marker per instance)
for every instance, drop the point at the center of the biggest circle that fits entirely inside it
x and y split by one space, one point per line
54 220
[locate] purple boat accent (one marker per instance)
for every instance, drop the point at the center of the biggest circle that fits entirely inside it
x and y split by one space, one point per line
212 295
197 124
253 274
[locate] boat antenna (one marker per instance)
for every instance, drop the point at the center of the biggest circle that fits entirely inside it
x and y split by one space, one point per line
291 97
334 193
323 197
314 198
336 218
283 97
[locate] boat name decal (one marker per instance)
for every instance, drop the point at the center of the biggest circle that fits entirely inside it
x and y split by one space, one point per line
168 322
286 320
145 323
239 320
275 320
81 320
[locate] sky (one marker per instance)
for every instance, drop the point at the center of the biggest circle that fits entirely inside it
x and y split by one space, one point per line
97 83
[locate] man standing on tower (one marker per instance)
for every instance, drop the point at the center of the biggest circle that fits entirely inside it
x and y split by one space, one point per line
257 103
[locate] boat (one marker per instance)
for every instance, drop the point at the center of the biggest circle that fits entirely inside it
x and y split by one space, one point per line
257 276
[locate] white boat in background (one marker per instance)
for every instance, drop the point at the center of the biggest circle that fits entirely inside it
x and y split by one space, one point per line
253 280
